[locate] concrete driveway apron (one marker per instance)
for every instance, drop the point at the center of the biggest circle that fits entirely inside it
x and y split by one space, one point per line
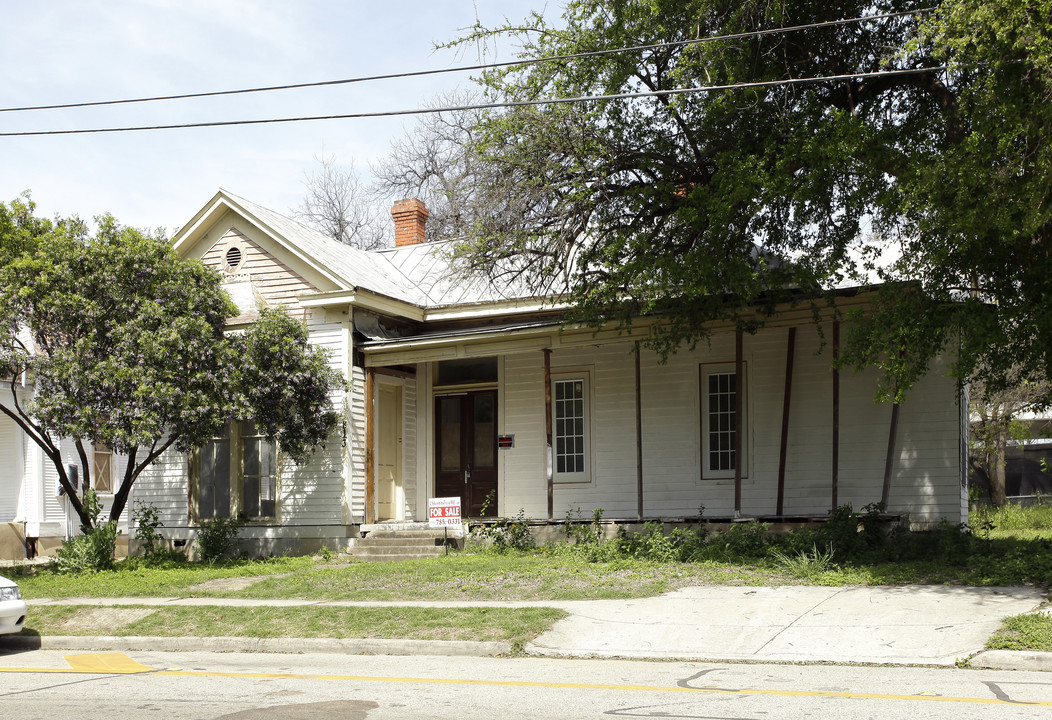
917 624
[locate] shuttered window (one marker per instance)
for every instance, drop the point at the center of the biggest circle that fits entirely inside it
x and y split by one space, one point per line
237 474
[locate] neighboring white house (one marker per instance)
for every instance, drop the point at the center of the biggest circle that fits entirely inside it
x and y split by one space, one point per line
464 390
30 504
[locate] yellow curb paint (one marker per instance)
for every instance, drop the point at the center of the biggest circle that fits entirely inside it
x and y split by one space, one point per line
114 663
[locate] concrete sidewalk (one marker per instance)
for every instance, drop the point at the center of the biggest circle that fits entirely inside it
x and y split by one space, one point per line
920 624
928 625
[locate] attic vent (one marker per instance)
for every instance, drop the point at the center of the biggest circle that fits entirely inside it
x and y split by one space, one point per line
233 258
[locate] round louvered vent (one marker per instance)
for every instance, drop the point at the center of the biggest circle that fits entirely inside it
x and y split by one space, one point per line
233 258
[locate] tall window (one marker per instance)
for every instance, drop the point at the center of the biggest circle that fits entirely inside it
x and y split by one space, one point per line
260 480
570 449
719 436
213 478
236 475
102 468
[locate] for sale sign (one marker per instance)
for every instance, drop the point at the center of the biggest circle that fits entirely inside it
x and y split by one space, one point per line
443 512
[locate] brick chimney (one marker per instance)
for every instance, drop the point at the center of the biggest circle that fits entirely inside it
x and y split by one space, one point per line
410 217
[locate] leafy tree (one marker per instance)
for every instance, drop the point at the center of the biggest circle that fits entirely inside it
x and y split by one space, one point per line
297 412
123 343
813 153
996 423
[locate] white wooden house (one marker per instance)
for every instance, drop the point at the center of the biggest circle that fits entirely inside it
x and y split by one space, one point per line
31 506
464 390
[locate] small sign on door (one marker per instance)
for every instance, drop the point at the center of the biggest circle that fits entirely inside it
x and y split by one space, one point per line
443 512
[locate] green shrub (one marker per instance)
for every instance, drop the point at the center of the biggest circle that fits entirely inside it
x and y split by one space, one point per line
92 551
741 540
504 534
217 538
147 520
946 542
653 543
579 532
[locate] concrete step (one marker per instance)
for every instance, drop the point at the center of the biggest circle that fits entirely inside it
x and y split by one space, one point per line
393 558
389 552
402 541
407 534
398 540
409 530
394 548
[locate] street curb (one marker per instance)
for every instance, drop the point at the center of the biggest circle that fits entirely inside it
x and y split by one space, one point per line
332 646
1013 660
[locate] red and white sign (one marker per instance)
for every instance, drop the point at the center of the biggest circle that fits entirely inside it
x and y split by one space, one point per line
443 512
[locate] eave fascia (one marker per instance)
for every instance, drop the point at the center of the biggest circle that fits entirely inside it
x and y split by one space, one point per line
189 233
365 300
484 310
498 342
386 305
501 341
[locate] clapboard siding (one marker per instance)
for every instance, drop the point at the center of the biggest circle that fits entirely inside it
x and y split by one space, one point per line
165 485
926 473
32 474
12 505
524 481
312 493
275 281
612 487
409 449
356 443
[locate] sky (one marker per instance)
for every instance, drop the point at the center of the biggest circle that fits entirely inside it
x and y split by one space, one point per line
68 51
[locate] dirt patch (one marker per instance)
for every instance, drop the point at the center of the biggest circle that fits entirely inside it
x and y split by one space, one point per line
102 619
231 584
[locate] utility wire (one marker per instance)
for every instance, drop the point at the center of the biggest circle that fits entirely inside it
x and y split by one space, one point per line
469 68
492 105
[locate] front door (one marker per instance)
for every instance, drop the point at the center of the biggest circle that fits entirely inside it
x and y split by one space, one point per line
466 450
389 452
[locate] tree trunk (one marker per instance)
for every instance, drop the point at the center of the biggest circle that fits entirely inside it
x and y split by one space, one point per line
997 467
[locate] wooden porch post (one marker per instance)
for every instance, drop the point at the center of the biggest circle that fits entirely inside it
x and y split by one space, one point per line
889 461
787 392
836 414
739 392
639 439
548 430
370 443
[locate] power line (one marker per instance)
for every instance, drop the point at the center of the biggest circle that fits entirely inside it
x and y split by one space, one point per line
470 68
492 105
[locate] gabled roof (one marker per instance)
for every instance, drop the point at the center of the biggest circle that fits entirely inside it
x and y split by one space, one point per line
420 275
428 267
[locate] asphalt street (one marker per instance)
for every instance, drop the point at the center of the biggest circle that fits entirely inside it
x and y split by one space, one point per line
47 685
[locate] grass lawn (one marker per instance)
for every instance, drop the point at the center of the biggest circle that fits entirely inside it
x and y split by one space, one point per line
516 626
540 574
1023 632
1012 548
459 576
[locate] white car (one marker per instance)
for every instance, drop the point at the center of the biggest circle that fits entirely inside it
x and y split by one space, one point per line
12 607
